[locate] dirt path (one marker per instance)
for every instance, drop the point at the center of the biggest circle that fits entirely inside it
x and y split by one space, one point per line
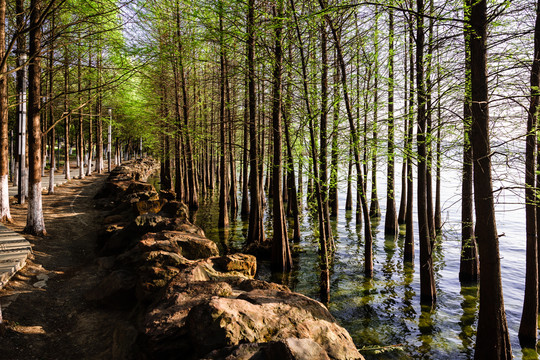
55 321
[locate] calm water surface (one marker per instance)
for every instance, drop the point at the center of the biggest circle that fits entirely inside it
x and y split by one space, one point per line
385 311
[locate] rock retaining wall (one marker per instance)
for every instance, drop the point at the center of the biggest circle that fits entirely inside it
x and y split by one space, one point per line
189 302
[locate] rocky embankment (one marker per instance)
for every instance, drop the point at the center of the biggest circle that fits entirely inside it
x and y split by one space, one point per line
188 302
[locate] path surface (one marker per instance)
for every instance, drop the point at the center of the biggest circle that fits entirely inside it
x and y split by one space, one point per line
44 309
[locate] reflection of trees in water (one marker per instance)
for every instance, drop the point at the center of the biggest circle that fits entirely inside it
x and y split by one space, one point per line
467 321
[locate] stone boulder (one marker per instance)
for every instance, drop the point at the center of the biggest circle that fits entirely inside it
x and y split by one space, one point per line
263 316
191 246
287 349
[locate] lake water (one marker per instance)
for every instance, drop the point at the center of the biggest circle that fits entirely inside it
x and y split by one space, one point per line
384 312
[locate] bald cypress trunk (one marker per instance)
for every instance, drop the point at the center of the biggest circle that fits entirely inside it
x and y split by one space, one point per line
5 215
390 222
35 223
528 329
492 340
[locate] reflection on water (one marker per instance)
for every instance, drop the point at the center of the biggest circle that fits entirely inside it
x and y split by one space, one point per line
384 313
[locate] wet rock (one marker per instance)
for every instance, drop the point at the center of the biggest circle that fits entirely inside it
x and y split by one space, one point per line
116 290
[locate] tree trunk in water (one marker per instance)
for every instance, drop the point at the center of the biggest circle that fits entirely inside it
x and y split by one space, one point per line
35 223
468 266
323 249
256 229
408 253
5 215
244 211
368 237
492 340
323 137
390 221
223 220
528 329
427 280
281 253
333 202
375 209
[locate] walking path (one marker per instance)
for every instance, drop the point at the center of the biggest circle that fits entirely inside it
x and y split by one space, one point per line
14 249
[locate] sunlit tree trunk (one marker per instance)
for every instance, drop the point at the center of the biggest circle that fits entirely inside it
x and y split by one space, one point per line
492 340
66 120
468 267
281 253
390 221
35 223
255 230
5 215
223 220
408 252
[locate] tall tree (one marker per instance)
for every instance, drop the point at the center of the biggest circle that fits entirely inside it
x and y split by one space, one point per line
5 214
492 340
35 223
223 220
281 253
390 222
528 329
255 230
468 267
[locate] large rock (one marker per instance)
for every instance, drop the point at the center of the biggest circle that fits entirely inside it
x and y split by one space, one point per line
221 268
191 246
267 315
220 320
287 349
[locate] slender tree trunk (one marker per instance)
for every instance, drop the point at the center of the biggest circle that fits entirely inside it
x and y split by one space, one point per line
348 199
256 229
281 253
90 121
368 237
468 267
35 223
333 202
528 329
244 211
390 222
80 147
5 215
427 280
53 128
66 121
408 253
223 220
323 245
492 340
323 135
375 209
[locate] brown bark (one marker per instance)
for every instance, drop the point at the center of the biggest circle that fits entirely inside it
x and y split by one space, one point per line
528 329
281 253
5 215
255 230
468 267
390 222
427 280
34 221
492 340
